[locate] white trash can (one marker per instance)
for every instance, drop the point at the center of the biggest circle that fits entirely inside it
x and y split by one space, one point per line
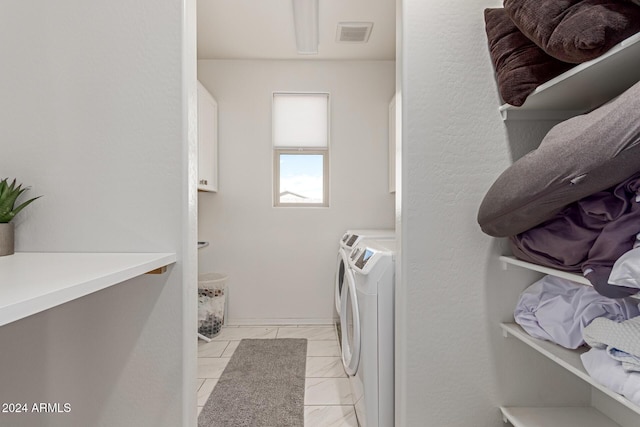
211 304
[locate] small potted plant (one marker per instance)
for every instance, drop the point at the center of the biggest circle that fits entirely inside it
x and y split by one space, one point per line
9 193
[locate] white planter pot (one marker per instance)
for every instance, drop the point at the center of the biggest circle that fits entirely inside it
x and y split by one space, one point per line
6 239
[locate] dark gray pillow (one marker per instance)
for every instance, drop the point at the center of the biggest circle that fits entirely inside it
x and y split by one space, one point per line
575 31
520 65
578 157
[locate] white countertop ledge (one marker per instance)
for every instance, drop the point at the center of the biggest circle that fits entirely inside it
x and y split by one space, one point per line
31 282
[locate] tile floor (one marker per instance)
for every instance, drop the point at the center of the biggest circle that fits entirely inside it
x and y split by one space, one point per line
328 401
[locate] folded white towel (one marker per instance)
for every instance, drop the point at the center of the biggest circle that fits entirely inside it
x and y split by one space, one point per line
604 333
610 374
630 363
604 369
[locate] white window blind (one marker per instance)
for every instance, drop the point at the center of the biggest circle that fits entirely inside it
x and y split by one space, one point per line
300 120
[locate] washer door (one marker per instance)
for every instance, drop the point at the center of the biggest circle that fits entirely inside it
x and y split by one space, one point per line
350 320
342 266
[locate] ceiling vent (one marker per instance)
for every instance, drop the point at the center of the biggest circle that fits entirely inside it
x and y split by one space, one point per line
354 32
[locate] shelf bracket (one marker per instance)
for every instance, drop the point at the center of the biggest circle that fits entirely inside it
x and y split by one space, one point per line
507 112
160 270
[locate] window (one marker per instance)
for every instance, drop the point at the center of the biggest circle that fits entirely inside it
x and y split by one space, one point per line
301 149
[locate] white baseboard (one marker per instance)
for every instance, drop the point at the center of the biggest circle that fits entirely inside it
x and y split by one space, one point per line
280 322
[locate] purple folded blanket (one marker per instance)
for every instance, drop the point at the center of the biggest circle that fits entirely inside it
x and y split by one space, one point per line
587 236
575 30
520 65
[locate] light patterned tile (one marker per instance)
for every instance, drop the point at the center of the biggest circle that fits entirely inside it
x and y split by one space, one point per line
205 390
327 391
212 349
325 367
330 416
245 332
310 333
269 325
323 348
329 400
211 367
230 348
359 408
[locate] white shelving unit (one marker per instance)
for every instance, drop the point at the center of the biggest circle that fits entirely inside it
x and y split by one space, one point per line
577 91
568 359
31 282
583 87
565 417
511 260
541 269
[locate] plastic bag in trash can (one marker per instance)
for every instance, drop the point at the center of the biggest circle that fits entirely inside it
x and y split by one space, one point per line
211 300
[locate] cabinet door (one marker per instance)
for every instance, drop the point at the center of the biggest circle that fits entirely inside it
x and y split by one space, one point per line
207 141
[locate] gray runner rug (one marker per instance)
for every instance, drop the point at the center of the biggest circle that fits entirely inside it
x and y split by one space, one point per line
262 386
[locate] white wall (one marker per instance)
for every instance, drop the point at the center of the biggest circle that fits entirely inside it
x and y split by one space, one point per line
453 368
281 261
93 116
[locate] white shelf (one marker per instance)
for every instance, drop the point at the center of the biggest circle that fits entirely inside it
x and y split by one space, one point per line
565 417
568 359
31 282
583 87
547 270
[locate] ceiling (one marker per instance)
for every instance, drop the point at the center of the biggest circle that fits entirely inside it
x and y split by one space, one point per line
263 29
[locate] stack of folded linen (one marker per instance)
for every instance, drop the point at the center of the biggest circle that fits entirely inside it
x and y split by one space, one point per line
558 310
572 315
532 41
573 203
611 374
614 359
621 340
587 236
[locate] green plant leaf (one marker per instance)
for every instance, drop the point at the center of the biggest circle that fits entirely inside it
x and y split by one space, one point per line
22 206
9 193
7 203
4 188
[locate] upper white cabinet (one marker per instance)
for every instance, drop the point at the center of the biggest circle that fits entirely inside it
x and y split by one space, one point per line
392 145
207 141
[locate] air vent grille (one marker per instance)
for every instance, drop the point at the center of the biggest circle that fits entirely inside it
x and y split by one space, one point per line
354 32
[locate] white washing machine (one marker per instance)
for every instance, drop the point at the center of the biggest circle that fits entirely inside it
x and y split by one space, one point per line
367 311
349 241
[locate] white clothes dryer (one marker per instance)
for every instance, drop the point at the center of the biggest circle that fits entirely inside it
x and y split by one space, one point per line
367 311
